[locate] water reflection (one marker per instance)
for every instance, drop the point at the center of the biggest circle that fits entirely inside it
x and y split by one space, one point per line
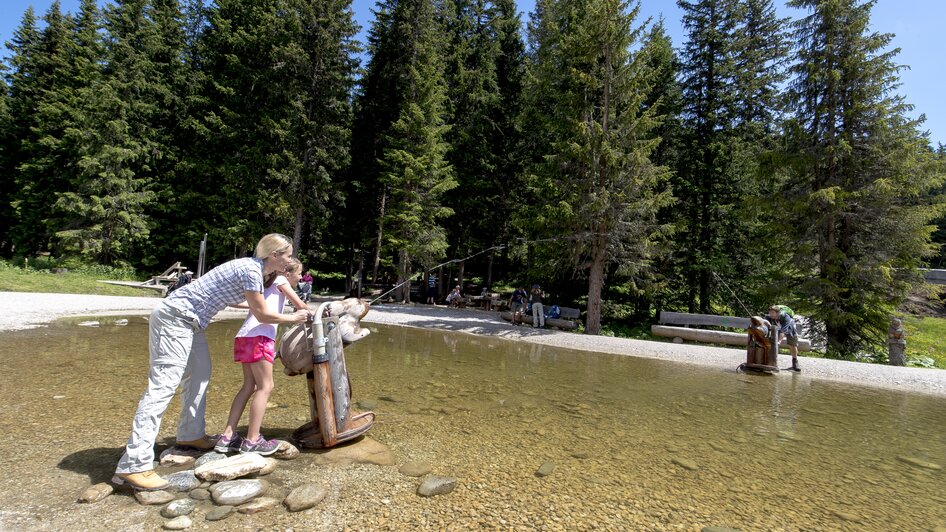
637 443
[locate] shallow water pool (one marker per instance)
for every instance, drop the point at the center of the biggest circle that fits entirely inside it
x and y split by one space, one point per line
635 443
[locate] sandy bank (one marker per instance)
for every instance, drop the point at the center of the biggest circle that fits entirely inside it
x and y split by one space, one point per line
27 310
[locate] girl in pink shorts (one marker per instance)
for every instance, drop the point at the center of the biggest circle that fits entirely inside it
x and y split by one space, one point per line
254 347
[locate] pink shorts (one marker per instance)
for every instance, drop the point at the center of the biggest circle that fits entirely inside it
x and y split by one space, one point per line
249 349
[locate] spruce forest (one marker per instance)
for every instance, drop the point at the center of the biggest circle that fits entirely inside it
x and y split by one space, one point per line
763 160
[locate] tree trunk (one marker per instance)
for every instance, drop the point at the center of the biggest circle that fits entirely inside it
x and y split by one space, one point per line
489 271
595 284
460 274
377 244
441 282
405 276
297 232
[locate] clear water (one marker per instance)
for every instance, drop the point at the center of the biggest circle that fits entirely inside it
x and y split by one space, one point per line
640 444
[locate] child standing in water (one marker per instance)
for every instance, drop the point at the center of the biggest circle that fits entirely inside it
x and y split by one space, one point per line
254 347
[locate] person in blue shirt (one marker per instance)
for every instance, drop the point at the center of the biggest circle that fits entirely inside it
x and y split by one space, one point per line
517 303
786 329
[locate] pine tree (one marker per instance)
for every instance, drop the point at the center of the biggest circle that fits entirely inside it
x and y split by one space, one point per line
7 183
415 171
856 201
598 185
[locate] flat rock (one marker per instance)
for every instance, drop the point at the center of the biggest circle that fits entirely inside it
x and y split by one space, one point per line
258 505
304 497
919 463
199 494
435 485
154 497
212 456
183 480
415 469
96 493
230 468
220 512
178 523
271 465
545 469
178 507
365 451
685 464
236 492
845 516
178 456
286 451
89 324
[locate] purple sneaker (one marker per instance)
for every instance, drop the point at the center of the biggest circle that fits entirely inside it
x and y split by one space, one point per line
228 445
261 446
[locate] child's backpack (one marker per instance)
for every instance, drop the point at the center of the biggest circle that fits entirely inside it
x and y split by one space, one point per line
785 309
554 312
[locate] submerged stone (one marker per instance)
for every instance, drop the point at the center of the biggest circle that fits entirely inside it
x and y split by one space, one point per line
545 469
183 480
220 512
919 463
178 507
304 497
236 492
415 469
178 523
154 497
435 485
364 451
685 464
258 505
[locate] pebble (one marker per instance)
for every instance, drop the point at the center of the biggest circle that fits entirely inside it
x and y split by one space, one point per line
178 507
545 469
230 468
212 456
436 485
96 493
415 469
304 497
286 451
258 505
154 497
183 480
685 464
919 463
178 456
236 492
178 523
220 512
199 494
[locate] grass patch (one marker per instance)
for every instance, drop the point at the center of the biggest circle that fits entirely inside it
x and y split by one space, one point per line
925 341
79 280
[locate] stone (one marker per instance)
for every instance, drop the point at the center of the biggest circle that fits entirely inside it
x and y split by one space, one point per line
415 469
96 493
230 468
88 324
178 507
121 322
258 505
364 451
919 463
271 465
178 456
677 340
845 516
685 464
388 398
286 451
183 480
212 456
436 485
367 404
199 494
304 497
719 529
220 513
178 523
237 492
154 497
545 469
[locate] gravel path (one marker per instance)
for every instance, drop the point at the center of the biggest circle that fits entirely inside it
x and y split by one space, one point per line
27 310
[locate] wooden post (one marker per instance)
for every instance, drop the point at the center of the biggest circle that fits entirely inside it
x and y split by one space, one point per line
896 343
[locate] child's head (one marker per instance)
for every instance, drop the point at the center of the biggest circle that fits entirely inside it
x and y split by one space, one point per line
774 311
294 271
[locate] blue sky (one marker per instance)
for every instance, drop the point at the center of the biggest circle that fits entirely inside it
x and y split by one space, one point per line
919 25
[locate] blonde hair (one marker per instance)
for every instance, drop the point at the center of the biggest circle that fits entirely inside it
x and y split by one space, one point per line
272 243
294 266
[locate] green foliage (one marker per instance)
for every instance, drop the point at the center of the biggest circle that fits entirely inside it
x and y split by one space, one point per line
37 276
925 346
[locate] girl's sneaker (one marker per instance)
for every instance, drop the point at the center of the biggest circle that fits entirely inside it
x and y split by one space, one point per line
261 446
228 445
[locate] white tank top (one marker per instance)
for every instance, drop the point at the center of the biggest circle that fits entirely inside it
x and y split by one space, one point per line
275 299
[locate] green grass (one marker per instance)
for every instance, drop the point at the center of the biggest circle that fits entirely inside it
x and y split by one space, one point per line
79 280
925 341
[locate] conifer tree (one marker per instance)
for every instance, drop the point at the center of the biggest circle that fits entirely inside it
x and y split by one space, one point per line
597 185
856 201
7 183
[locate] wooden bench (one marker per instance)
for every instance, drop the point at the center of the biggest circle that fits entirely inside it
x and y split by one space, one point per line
566 320
675 319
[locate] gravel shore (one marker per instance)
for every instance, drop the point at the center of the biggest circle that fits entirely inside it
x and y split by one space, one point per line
28 310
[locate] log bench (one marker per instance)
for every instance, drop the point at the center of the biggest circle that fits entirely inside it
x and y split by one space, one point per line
567 319
678 325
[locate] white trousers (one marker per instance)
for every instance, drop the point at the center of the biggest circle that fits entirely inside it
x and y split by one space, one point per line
179 356
538 315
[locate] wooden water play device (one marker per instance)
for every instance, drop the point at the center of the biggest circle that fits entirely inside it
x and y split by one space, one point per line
316 349
762 349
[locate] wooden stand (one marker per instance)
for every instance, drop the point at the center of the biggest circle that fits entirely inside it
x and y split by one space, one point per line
762 348
331 420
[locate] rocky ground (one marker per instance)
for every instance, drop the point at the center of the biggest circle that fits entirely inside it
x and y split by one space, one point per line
26 310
